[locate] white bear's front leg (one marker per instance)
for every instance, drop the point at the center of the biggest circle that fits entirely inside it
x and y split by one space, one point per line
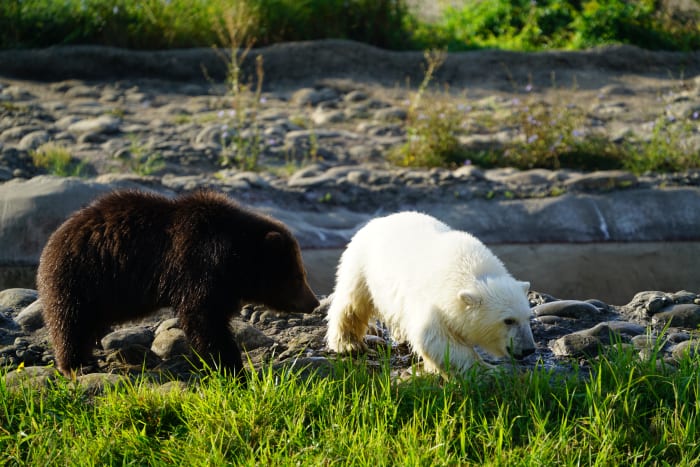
443 355
347 325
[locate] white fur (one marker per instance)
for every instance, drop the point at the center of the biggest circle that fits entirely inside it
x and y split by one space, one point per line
439 289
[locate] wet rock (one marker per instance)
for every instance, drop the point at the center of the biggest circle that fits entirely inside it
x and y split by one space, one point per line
611 332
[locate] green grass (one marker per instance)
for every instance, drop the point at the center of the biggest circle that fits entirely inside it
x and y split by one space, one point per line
518 25
626 412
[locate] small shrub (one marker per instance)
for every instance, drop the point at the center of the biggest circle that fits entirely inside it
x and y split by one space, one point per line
556 136
140 160
667 150
57 160
431 128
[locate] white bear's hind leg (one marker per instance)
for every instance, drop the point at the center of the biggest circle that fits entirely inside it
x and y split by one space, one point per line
349 315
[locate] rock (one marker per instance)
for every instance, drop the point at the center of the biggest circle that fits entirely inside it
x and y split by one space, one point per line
167 324
124 338
684 349
17 299
33 140
95 383
567 309
35 377
576 345
309 96
104 124
612 331
602 180
31 318
682 315
249 337
135 355
33 209
171 343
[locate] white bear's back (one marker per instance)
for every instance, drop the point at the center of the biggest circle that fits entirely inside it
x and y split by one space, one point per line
410 255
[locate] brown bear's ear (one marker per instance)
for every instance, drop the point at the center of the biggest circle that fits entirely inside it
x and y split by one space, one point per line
274 239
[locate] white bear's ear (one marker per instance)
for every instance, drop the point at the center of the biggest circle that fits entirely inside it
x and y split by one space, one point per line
469 298
525 286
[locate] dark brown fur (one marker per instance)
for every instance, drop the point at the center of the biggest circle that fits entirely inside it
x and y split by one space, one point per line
131 253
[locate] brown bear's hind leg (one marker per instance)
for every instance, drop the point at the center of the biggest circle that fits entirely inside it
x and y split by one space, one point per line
211 337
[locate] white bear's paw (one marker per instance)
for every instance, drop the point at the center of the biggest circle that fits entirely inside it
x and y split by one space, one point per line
343 346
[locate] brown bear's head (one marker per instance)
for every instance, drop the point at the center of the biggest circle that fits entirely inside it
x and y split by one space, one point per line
281 278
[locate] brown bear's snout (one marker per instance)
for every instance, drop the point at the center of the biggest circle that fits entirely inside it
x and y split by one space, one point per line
307 301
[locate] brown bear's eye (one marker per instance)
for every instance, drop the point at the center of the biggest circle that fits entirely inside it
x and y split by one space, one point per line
509 321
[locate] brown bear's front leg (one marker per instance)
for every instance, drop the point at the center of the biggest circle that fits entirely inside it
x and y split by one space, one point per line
73 337
210 336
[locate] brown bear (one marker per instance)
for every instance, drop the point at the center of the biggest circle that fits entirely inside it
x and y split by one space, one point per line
130 253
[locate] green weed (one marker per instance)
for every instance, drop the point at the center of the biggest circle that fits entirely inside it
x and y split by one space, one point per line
140 160
57 160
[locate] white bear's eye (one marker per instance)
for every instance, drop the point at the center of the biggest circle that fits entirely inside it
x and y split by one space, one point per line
509 321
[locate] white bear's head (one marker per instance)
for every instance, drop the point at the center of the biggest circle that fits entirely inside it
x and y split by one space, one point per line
495 315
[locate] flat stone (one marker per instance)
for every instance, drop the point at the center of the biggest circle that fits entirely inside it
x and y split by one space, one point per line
567 309
103 124
127 337
602 180
608 332
683 315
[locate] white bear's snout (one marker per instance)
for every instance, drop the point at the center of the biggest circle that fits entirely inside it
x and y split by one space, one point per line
522 342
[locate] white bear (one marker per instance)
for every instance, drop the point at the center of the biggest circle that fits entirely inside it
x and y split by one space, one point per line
441 290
